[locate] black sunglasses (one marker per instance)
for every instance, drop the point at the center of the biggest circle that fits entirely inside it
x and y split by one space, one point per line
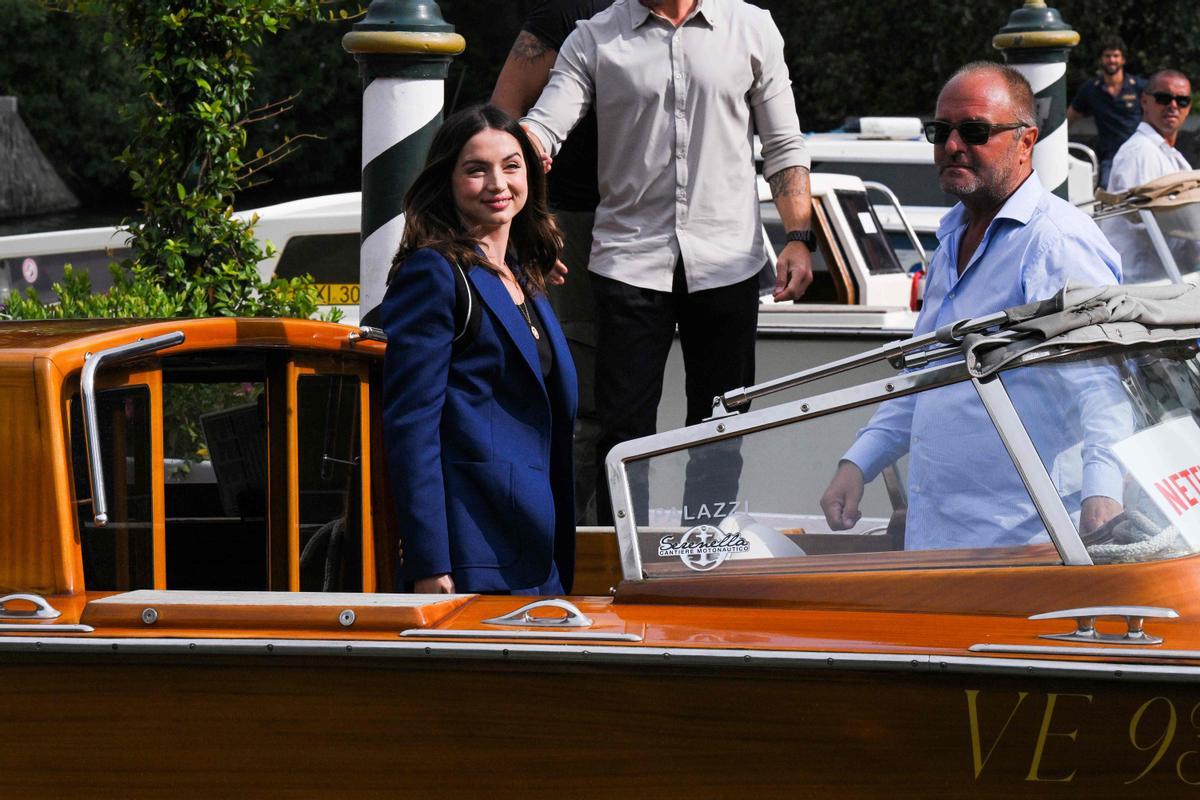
1165 98
972 132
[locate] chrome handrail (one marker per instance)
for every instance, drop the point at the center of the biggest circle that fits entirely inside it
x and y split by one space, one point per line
41 609
1090 155
908 228
572 616
91 423
368 333
951 334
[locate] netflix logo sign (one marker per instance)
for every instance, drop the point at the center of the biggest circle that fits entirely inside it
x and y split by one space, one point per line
1180 489
1165 461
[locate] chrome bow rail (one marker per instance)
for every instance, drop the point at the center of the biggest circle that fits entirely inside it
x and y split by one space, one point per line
91 423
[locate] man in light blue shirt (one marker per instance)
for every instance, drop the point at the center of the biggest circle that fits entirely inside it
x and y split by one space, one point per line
1008 241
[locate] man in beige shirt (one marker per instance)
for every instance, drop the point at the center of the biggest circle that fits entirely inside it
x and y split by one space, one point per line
679 87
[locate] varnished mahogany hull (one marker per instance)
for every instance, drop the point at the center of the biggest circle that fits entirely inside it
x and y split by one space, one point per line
145 725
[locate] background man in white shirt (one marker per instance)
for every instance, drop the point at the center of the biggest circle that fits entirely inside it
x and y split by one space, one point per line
1150 153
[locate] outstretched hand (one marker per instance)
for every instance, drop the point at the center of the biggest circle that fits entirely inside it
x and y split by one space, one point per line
1096 511
793 272
547 161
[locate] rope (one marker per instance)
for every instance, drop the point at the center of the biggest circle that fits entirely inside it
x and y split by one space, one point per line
1143 542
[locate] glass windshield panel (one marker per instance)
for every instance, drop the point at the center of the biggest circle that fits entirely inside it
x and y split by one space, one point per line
868 231
1120 437
938 490
330 486
1141 262
914 184
215 448
329 258
120 555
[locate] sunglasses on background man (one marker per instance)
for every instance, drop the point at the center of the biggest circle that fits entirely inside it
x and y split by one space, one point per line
1165 98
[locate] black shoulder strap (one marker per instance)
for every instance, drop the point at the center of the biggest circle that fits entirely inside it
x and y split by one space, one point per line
466 311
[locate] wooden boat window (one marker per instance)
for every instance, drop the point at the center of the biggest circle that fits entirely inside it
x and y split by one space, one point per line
329 482
215 454
755 503
119 555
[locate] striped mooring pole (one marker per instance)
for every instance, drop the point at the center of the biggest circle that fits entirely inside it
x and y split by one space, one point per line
403 49
1035 42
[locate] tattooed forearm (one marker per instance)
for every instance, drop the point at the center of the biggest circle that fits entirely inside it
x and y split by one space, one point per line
528 47
790 182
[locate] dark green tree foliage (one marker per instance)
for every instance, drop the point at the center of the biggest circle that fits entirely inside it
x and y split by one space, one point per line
191 255
854 59
71 87
846 59
308 66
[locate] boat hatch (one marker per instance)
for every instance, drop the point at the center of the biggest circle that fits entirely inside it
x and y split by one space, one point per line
324 611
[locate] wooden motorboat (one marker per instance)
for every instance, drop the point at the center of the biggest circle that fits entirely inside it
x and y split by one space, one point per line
207 615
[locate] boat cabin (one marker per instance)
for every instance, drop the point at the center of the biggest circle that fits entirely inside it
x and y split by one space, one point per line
198 454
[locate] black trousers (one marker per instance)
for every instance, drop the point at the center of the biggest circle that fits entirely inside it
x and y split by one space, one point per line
635 330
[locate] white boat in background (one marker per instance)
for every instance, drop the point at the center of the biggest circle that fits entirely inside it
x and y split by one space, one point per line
316 235
886 160
320 236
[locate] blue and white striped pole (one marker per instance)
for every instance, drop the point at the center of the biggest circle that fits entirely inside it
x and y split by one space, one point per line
1035 42
403 48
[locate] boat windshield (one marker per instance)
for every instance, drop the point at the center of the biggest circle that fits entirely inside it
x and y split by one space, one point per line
1155 228
940 490
1087 458
1123 451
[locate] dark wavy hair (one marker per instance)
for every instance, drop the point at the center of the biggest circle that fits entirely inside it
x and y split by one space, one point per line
431 217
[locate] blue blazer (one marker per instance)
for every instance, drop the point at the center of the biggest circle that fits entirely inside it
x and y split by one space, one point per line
478 444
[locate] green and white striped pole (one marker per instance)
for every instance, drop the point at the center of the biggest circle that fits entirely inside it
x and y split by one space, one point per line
403 49
1035 42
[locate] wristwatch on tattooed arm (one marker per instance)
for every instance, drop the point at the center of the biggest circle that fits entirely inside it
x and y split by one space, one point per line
808 237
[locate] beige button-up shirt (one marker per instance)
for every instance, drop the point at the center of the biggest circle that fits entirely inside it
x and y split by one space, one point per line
677 109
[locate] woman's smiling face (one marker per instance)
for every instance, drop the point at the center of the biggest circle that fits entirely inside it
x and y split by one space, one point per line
490 182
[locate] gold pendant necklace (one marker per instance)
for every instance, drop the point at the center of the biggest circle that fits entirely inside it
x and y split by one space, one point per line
529 321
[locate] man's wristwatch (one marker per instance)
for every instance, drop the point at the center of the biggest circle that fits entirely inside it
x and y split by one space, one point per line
808 237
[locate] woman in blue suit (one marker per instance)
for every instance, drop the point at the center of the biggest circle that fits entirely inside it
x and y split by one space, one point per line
479 389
